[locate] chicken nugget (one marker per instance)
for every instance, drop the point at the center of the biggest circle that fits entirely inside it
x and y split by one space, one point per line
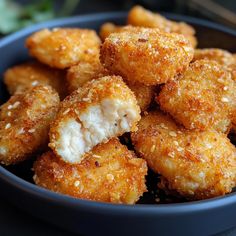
83 72
147 56
201 98
144 94
109 173
22 77
138 16
24 123
101 109
197 165
108 28
63 47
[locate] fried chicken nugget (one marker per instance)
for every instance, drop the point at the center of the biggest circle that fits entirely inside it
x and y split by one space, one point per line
108 28
101 109
201 98
83 72
63 47
24 123
196 165
147 56
138 16
22 77
109 173
221 56
144 94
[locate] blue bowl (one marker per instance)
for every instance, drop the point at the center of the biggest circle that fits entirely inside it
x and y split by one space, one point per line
93 218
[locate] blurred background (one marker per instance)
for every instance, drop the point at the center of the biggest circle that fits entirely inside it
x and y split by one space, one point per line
16 14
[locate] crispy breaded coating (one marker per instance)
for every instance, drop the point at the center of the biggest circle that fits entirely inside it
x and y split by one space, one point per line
221 56
109 173
63 47
144 94
198 165
201 98
138 16
24 123
147 56
22 77
108 28
83 72
103 108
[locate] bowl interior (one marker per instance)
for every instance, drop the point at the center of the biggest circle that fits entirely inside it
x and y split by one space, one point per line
13 52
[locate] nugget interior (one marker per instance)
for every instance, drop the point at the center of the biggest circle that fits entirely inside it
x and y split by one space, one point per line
110 111
112 116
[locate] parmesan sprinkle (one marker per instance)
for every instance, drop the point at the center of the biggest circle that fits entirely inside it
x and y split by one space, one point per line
8 125
172 134
153 148
76 183
31 130
110 177
16 104
9 113
180 149
34 83
225 88
224 99
66 111
176 143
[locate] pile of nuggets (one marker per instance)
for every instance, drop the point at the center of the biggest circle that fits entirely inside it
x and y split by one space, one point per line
70 105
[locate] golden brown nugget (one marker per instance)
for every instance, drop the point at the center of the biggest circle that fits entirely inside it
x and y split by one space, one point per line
63 47
22 77
101 109
198 165
138 16
24 123
109 28
201 98
83 72
147 56
109 173
144 94
221 56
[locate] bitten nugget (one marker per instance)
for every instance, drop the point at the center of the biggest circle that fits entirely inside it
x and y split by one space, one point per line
101 109
109 173
138 16
144 94
63 47
197 165
22 77
83 72
201 98
24 123
147 56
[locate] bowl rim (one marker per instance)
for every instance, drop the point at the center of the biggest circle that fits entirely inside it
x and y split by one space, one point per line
108 208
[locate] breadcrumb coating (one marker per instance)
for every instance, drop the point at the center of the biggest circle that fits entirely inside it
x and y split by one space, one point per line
203 97
103 108
196 165
147 56
108 28
24 123
83 72
24 76
63 47
144 94
139 16
109 173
